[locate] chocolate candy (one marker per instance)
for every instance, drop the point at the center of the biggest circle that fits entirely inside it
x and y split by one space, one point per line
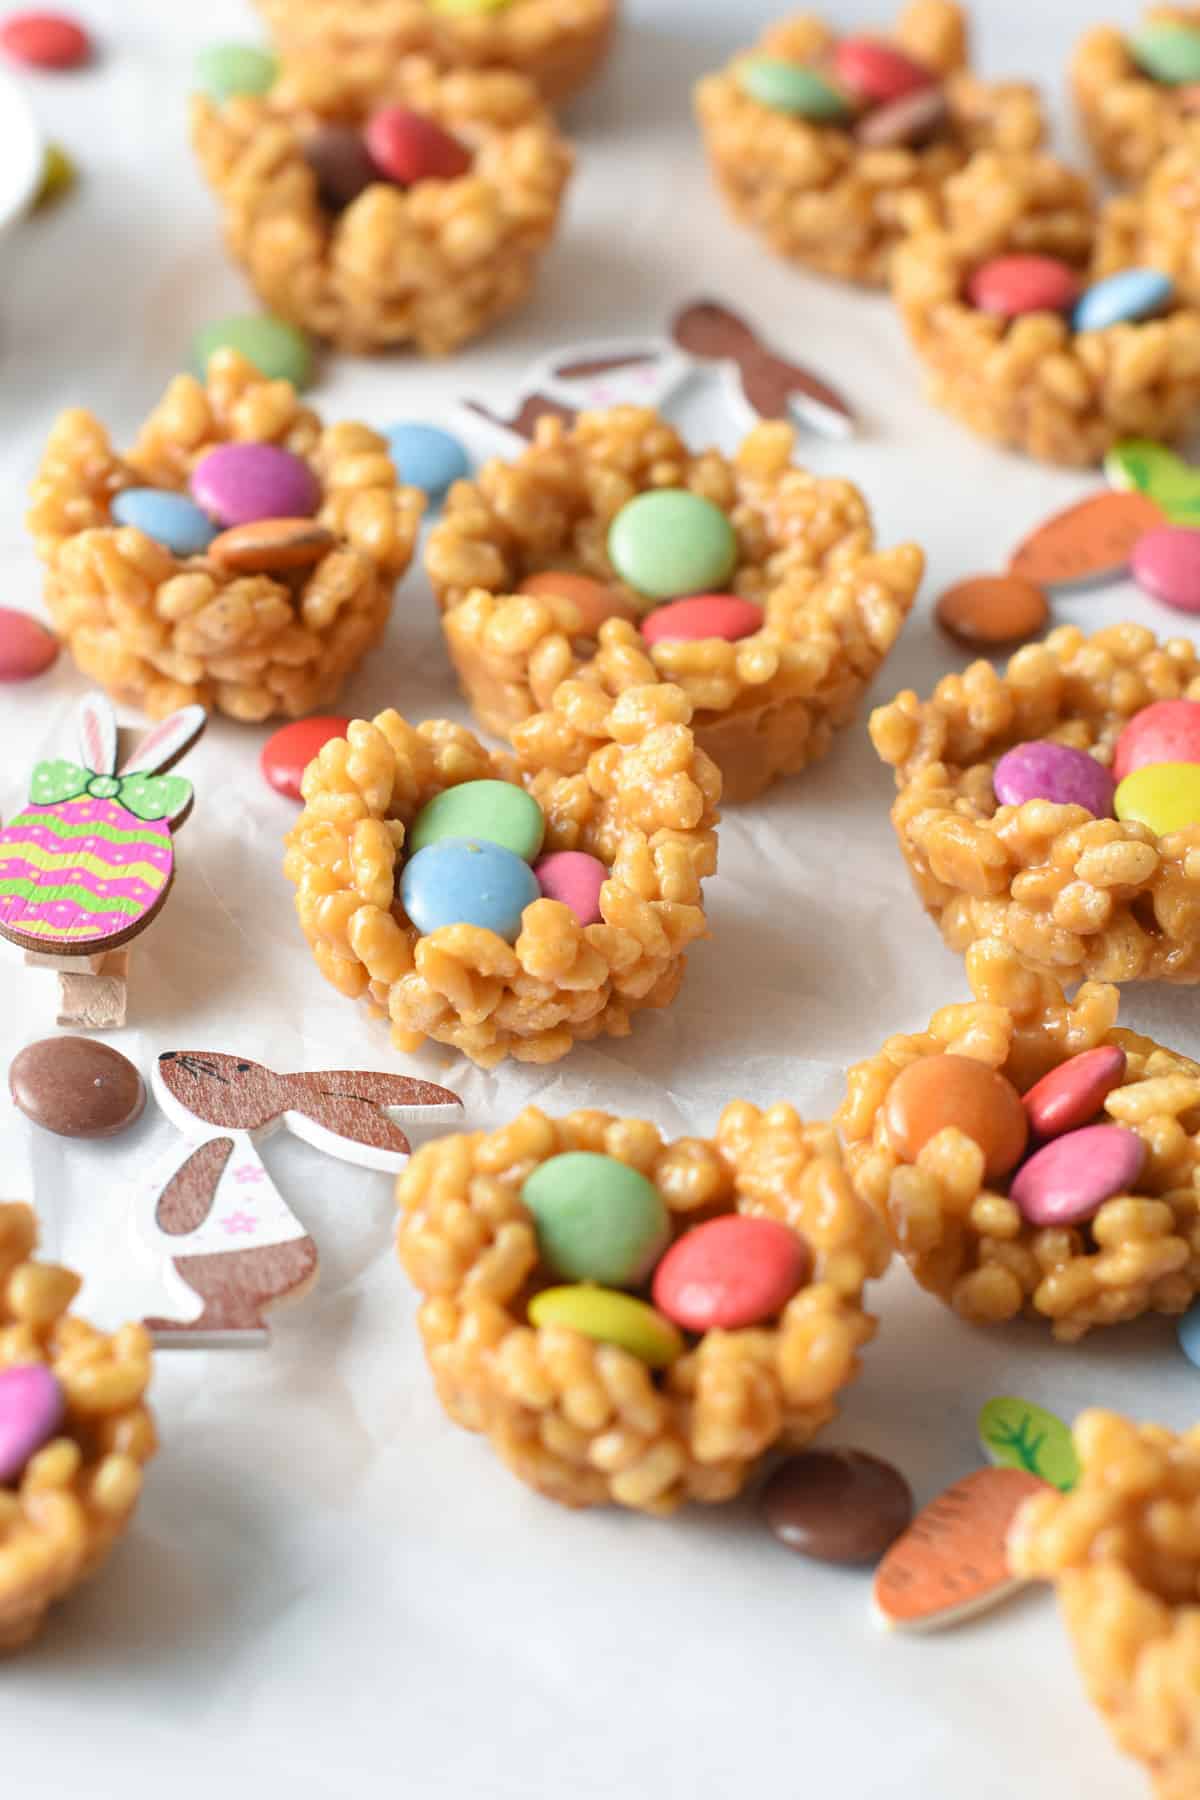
789 87
268 545
45 40
427 457
1166 564
989 610
467 881
703 616
32 1407
1010 286
837 1506
26 647
1068 1181
224 70
936 1092
172 520
597 1219
407 147
1124 299
1163 796
288 751
609 1318
1042 770
1072 1094
76 1087
731 1272
1168 50
574 878
594 599
907 123
243 484
668 542
278 350
499 812
1090 542
1167 732
878 72
340 161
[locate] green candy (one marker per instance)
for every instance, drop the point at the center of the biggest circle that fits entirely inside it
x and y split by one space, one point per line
789 87
610 1318
1016 1434
669 542
1168 53
223 70
497 811
1157 472
597 1219
278 350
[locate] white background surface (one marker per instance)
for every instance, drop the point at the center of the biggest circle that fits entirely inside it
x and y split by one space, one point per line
330 1589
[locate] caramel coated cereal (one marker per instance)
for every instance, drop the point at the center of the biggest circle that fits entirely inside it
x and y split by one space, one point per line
1130 118
1159 224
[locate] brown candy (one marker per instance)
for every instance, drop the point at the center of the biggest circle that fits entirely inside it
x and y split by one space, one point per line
837 1506
936 1092
988 610
338 157
911 121
76 1087
270 544
594 599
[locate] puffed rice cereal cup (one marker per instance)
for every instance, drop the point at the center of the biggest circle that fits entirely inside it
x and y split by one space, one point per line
764 706
1121 1549
1158 226
1075 896
635 792
159 631
811 190
430 266
558 45
587 1423
77 1494
1034 383
966 1241
1129 119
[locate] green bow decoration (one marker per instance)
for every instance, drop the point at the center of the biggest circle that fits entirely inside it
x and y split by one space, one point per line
148 797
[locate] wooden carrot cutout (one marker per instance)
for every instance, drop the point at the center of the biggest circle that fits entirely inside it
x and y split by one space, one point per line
952 1562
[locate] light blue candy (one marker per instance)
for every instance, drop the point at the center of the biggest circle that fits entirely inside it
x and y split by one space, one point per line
427 457
1187 1330
172 520
467 881
1123 299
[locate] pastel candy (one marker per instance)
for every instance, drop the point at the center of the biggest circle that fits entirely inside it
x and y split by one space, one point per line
598 1219
467 881
172 520
594 600
1166 732
1069 1180
987 610
1163 796
84 871
278 350
669 542
498 812
1010 286
1123 299
26 647
407 147
288 751
877 71
1073 1094
31 1410
1042 770
45 40
240 484
1188 1333
574 878
427 457
1166 564
1168 51
730 1273
937 1092
609 1318
703 616
223 70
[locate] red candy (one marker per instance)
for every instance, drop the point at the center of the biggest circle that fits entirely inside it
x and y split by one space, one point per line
731 1272
26 647
879 72
45 40
288 751
407 147
1168 731
1072 1094
1009 286
703 616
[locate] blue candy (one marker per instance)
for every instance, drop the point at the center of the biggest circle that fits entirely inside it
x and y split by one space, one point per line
427 457
172 520
467 881
1123 299
1187 1330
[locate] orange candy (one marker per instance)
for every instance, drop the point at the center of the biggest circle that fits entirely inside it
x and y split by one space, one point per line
270 544
936 1092
594 600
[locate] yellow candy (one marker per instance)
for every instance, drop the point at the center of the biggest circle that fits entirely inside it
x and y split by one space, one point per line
1164 796
610 1318
58 174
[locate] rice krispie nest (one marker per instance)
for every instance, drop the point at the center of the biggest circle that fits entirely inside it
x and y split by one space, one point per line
77 1494
160 631
431 265
1074 896
1129 118
967 1242
817 195
1121 1550
558 45
764 706
635 792
588 1423
1034 383
1159 225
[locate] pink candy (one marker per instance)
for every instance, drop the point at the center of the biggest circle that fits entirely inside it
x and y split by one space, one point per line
1168 731
26 647
879 72
731 1272
1166 563
1069 1180
1072 1094
31 1411
703 616
1009 286
575 878
1041 770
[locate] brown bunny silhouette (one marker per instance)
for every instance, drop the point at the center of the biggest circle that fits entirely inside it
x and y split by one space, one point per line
711 332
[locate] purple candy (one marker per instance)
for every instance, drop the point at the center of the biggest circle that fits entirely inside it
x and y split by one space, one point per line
1070 1179
238 484
1045 771
31 1411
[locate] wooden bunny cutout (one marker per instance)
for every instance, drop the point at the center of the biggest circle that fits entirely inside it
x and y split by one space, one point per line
232 1246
